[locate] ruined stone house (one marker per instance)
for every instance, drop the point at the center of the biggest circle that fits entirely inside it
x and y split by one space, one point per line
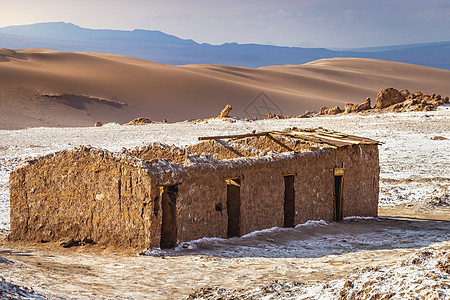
159 196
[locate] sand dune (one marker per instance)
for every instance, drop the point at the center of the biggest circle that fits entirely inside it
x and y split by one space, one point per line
158 91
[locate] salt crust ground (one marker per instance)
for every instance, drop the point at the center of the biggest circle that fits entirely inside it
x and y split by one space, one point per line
423 275
415 173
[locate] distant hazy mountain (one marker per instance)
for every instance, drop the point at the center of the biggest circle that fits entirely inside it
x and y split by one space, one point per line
305 44
168 49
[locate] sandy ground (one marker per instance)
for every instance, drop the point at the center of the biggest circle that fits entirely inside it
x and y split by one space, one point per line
139 88
328 252
319 256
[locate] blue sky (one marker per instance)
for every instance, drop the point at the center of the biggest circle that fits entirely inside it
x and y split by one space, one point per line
332 23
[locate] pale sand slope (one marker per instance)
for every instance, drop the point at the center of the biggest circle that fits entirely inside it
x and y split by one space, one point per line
177 93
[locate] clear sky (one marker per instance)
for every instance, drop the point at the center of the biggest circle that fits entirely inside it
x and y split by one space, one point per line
331 23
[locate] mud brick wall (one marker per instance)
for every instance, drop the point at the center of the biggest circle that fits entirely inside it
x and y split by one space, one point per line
262 191
314 186
361 180
89 194
85 195
262 198
224 149
202 191
202 200
276 143
158 151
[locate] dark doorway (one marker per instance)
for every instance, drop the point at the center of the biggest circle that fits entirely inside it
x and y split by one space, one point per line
233 206
289 201
338 187
169 219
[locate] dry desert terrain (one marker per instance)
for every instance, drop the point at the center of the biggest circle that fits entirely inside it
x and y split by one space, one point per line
315 260
50 100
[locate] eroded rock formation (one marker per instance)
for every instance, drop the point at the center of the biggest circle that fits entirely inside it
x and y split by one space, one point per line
390 99
353 108
140 121
387 97
225 112
330 111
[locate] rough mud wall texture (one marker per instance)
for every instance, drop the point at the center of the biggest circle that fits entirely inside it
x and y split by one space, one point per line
262 198
202 205
224 149
276 143
202 199
361 179
82 194
158 151
202 195
314 186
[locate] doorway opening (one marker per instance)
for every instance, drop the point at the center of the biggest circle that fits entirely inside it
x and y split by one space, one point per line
289 201
169 218
338 188
233 206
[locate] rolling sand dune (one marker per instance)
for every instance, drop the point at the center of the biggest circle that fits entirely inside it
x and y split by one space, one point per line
122 88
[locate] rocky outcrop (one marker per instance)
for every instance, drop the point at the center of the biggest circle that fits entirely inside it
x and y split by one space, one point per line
330 111
387 97
353 108
140 121
225 112
418 102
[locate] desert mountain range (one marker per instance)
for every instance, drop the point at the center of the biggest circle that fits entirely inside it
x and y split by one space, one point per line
53 88
168 49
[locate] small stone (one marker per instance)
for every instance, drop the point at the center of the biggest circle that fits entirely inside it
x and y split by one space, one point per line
438 138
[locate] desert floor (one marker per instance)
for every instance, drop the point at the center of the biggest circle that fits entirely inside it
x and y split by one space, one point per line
315 259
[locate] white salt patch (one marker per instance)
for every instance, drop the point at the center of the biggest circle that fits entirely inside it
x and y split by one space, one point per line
360 218
313 223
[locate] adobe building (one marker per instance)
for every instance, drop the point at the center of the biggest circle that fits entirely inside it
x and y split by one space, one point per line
159 196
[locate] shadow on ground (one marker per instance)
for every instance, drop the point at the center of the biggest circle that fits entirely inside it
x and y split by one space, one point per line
319 238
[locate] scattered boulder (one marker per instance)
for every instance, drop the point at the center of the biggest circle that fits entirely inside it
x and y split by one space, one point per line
353 108
330 111
225 112
98 124
387 97
139 121
276 116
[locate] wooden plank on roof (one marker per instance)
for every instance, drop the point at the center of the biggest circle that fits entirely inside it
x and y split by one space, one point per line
318 136
236 136
314 140
320 139
363 140
279 142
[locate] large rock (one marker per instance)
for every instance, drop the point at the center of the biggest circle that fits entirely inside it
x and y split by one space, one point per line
353 108
330 111
139 121
387 97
